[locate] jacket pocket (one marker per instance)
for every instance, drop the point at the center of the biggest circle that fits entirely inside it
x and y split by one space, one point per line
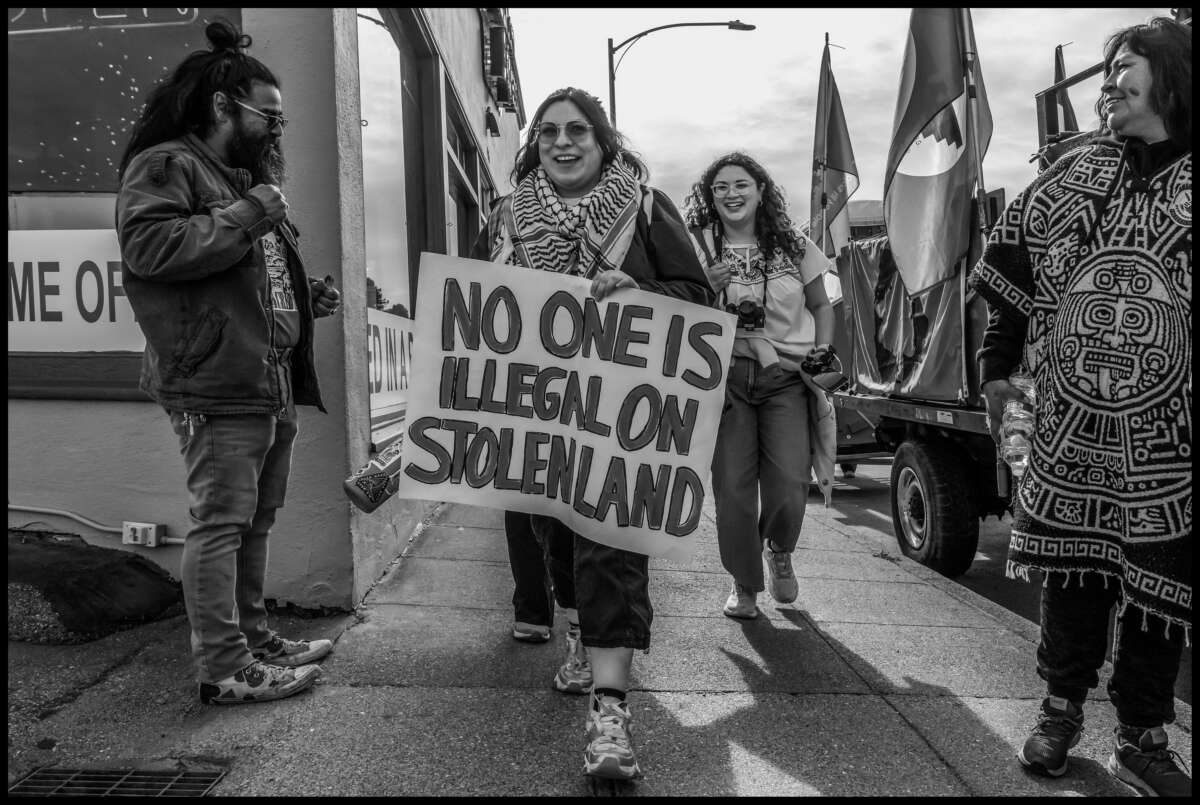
198 343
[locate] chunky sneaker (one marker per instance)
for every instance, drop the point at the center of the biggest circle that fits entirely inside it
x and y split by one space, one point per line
575 674
742 603
530 632
1058 728
292 653
1141 760
259 682
609 752
781 581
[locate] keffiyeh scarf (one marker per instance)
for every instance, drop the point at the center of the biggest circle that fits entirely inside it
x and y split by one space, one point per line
542 232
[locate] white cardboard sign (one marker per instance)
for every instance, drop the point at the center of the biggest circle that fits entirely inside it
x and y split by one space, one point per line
534 397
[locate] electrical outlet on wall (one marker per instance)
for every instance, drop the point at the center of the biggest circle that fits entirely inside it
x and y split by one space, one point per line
148 534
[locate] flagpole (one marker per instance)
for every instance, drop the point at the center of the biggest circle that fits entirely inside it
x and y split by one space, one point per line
969 59
825 152
972 108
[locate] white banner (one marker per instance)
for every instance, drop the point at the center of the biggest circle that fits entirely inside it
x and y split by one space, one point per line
65 294
536 398
389 358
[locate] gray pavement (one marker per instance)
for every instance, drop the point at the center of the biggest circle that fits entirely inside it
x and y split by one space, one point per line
883 678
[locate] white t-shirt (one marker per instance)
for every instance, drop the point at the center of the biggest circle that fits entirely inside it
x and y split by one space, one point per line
778 285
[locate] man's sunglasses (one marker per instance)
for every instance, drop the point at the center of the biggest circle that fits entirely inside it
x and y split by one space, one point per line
576 130
272 119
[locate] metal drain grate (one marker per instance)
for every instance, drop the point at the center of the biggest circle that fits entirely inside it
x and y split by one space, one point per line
114 783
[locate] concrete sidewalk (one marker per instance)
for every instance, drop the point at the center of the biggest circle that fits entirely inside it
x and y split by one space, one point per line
882 679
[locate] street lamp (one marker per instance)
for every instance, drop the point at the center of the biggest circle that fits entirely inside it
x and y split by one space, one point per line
733 25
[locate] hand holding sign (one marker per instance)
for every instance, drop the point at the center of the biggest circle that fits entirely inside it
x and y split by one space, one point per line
608 281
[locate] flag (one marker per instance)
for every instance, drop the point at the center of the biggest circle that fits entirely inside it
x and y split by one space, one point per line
835 176
1067 120
932 168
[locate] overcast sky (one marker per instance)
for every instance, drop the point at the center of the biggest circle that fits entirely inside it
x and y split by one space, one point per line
687 95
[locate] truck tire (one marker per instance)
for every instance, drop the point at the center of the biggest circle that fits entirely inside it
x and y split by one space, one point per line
931 507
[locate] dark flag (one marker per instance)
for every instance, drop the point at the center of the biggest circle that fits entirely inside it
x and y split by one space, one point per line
835 176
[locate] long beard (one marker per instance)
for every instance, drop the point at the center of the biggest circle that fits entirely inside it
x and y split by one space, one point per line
263 157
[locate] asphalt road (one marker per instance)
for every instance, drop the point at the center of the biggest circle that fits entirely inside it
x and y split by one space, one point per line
986 575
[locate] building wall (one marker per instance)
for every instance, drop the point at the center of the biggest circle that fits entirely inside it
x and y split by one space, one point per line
459 32
116 460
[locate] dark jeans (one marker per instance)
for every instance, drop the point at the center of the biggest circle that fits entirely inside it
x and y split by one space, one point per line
1074 640
542 573
610 587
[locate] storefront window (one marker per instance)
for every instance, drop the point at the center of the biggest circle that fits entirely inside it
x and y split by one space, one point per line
77 80
383 166
385 226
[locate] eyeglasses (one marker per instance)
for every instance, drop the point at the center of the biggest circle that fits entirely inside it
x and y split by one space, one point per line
721 189
272 119
576 130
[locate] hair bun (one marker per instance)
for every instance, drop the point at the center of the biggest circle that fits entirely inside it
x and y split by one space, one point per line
224 36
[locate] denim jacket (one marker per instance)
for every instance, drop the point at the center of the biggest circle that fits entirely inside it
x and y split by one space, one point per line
195 275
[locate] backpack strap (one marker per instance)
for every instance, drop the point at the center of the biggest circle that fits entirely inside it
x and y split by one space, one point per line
704 237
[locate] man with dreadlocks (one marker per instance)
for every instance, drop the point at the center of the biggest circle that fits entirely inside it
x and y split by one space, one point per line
212 270
1088 277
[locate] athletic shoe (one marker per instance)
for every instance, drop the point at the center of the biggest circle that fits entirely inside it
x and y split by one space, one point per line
742 603
1059 725
530 632
575 674
781 581
1141 760
609 752
291 653
259 682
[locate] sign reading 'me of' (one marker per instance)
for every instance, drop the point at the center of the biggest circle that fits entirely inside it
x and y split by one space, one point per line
537 398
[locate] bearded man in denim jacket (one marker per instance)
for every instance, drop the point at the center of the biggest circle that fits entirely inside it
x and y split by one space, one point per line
212 270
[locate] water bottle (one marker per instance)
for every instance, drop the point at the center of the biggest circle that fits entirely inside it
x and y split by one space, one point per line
1016 429
1024 384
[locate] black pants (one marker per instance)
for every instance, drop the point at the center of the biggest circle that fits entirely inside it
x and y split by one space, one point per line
1074 641
543 570
608 586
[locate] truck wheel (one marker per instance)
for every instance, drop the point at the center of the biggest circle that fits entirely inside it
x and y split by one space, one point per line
931 507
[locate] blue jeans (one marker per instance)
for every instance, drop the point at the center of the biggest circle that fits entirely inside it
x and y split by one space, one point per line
762 452
237 474
1075 639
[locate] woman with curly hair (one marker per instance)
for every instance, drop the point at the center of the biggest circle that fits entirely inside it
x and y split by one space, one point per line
770 276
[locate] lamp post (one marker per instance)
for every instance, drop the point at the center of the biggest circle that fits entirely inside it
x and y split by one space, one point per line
733 25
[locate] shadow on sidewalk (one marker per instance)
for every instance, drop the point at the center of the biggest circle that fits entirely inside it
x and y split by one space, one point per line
903 737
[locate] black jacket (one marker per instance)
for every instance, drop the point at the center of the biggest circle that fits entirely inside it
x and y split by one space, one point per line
195 275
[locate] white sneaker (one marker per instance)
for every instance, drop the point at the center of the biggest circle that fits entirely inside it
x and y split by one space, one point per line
742 603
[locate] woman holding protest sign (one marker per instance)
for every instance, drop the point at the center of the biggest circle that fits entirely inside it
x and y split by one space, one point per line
580 207
774 418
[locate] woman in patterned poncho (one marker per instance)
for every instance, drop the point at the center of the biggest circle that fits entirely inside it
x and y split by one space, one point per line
1088 277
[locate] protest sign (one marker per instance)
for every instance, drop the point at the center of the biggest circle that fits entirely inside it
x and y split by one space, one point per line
535 397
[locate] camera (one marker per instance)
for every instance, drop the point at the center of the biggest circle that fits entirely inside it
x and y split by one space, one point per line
750 314
825 368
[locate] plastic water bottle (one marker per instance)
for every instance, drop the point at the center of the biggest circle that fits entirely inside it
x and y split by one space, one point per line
1024 384
1016 428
